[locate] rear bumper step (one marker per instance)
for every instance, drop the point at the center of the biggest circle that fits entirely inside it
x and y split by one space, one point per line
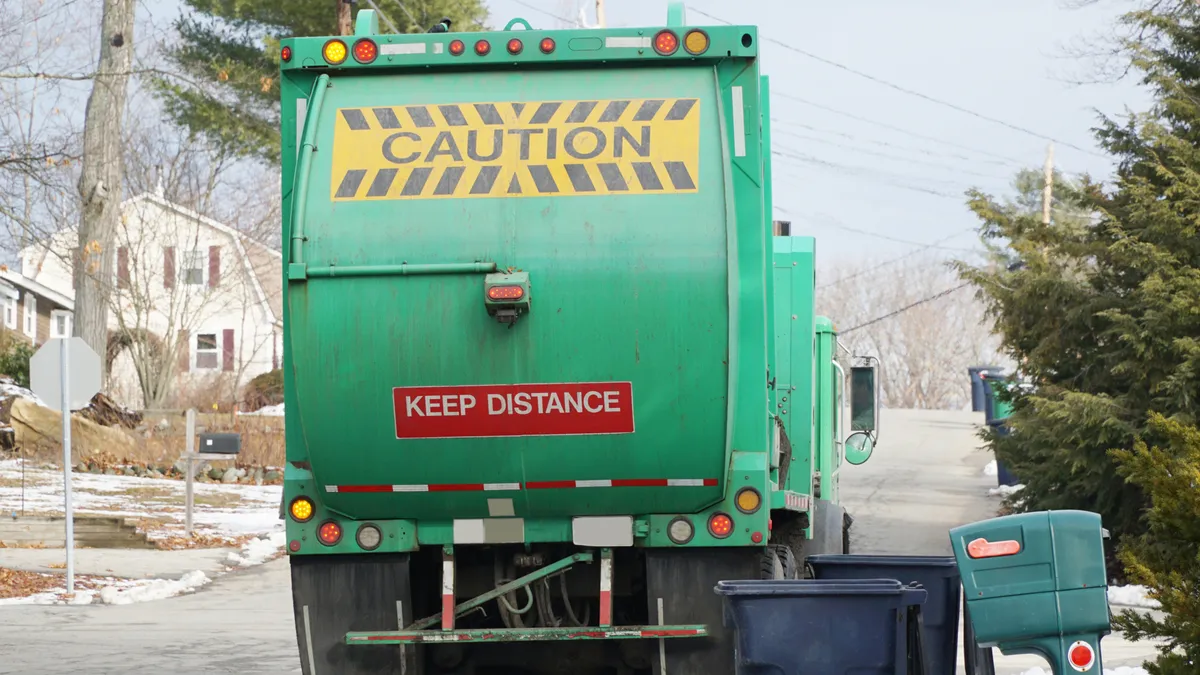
402 637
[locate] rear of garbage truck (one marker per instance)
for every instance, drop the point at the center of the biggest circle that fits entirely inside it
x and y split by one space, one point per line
527 396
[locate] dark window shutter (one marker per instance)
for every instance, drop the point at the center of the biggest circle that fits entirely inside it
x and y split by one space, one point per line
169 267
123 267
184 356
227 349
214 266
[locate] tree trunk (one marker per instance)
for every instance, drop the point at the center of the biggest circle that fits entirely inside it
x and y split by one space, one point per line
100 184
344 20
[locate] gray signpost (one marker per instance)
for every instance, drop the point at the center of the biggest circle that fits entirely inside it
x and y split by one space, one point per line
66 371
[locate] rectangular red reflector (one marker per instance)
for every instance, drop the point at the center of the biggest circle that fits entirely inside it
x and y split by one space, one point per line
982 548
501 410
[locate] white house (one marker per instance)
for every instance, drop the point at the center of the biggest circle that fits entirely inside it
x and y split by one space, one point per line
194 302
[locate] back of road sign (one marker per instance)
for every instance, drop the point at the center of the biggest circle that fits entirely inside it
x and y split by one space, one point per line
83 373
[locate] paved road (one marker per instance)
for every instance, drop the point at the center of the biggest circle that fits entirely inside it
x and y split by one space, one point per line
925 478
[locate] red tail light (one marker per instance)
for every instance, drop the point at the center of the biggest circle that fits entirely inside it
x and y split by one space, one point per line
329 533
483 48
547 45
365 51
506 293
515 46
666 42
720 525
457 47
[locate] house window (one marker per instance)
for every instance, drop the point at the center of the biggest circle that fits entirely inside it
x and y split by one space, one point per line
10 313
30 315
207 356
60 323
192 267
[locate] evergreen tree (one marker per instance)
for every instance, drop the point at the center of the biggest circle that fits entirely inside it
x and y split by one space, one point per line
1104 314
228 54
1167 557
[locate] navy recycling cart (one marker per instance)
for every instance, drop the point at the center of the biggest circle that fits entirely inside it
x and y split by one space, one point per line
802 626
938 575
978 388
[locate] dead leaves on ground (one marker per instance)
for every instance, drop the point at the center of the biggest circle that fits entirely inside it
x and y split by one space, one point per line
20 584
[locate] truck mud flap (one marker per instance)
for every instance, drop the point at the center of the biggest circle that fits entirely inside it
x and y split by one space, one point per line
680 591
336 594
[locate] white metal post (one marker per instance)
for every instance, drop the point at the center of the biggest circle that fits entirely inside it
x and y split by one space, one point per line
189 452
69 516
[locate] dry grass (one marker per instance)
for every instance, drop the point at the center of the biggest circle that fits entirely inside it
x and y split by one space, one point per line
19 584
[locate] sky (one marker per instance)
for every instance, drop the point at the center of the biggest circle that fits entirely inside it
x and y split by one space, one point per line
877 155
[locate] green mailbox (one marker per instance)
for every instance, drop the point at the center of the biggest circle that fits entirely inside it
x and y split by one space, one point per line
1035 583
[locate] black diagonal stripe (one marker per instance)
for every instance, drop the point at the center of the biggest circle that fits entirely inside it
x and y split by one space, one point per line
679 175
581 111
387 118
514 186
613 180
580 179
416 181
488 113
544 112
356 119
612 111
420 115
485 180
382 183
646 112
542 179
680 109
453 115
517 108
449 180
350 183
647 176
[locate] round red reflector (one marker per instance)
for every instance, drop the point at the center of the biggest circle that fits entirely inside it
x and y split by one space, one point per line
666 42
295 545
756 537
720 525
515 46
482 47
456 47
1081 656
365 51
329 533
286 54
547 45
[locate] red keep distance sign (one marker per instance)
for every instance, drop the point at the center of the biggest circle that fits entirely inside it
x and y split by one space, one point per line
486 411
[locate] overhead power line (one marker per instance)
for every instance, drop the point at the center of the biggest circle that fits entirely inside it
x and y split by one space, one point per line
905 308
893 261
835 223
547 13
912 92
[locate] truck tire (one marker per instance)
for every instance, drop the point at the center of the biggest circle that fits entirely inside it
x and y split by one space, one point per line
786 559
335 594
771 566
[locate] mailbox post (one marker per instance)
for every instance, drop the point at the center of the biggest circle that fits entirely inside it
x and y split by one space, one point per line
1035 583
212 446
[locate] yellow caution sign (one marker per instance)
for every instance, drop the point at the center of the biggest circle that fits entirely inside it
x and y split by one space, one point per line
516 149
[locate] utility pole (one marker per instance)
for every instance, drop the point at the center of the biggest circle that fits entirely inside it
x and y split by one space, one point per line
102 177
600 14
1048 190
344 23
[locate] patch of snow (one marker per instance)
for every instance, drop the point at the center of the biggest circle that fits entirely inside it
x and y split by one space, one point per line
258 551
1131 596
269 411
10 388
1005 490
154 589
990 469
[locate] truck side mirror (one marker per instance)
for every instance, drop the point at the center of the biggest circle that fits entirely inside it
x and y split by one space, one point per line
859 447
864 400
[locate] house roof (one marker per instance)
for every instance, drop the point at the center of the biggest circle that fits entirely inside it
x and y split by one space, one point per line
260 261
36 288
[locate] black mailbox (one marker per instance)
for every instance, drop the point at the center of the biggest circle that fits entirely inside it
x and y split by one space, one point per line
221 444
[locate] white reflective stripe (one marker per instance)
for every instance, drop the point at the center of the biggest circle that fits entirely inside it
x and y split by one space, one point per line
501 486
685 482
407 48
469 531
410 488
308 646
448 577
437 48
627 42
593 483
604 531
739 123
331 488
606 565
662 643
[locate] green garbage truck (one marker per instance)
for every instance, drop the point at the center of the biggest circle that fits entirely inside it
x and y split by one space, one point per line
477 482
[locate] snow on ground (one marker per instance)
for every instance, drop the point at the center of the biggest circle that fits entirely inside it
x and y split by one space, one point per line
991 469
1131 596
155 589
219 509
9 388
1005 490
269 411
258 551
